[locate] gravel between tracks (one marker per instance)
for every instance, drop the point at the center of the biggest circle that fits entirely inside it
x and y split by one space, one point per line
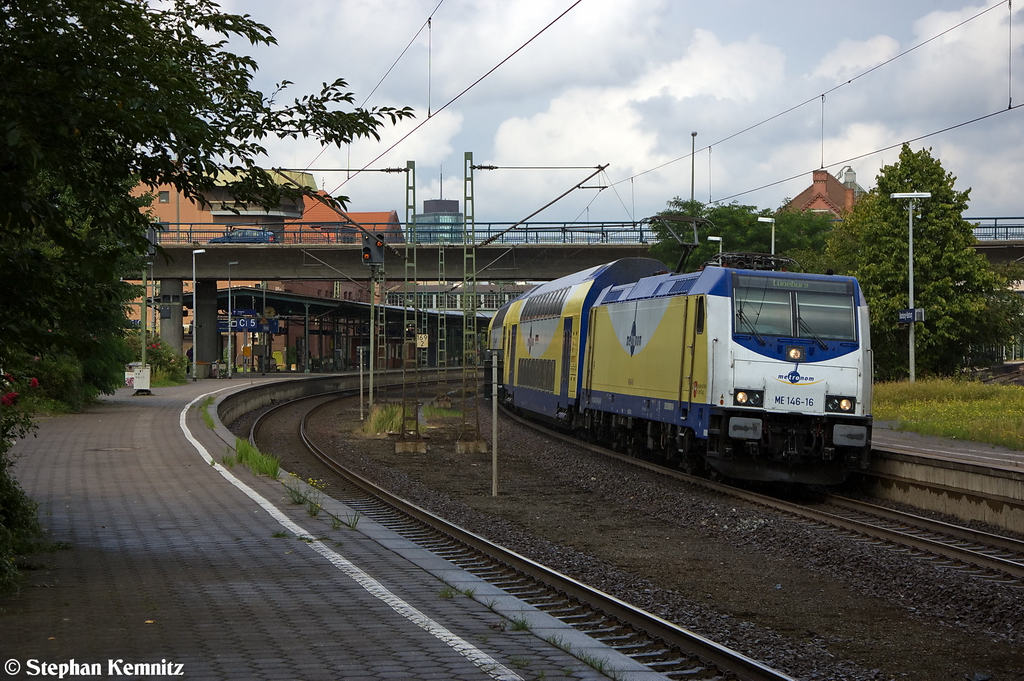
814 604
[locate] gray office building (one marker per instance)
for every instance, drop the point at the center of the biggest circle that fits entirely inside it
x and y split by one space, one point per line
440 222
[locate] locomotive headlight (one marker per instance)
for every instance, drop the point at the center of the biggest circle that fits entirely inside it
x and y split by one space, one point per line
796 353
748 398
840 404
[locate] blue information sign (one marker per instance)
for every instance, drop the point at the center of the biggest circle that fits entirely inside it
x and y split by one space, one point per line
910 315
250 324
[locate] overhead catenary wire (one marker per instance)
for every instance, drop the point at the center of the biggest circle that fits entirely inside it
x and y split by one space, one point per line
388 73
896 145
470 87
820 97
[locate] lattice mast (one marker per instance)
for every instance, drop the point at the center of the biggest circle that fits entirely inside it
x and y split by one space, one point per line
378 332
470 347
442 314
412 317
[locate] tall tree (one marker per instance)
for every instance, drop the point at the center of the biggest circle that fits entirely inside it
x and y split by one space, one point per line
737 225
967 303
95 98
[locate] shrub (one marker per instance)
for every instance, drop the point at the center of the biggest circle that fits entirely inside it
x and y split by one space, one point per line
61 379
19 526
169 366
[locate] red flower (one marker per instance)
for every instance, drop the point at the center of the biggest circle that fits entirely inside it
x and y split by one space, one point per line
9 399
34 383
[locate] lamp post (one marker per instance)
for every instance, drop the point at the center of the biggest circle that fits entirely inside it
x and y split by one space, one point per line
195 315
771 220
693 153
231 332
910 265
719 240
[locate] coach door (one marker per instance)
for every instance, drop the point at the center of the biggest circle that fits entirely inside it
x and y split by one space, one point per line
695 374
566 355
512 356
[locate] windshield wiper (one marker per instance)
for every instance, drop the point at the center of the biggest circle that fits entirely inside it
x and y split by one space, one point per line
750 325
807 329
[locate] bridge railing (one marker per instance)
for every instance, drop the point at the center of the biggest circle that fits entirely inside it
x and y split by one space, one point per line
429 234
998 229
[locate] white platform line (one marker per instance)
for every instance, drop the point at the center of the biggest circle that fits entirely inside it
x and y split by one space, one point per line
478 657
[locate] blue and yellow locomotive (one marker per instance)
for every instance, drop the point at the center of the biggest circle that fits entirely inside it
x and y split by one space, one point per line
742 373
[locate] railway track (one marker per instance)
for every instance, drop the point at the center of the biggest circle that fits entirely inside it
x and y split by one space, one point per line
658 644
987 556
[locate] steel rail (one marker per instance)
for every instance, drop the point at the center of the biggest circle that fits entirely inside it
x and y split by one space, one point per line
743 667
1014 568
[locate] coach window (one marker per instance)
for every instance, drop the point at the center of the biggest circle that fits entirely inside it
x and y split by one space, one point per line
700 314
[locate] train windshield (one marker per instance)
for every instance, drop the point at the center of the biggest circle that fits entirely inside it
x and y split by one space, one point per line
794 308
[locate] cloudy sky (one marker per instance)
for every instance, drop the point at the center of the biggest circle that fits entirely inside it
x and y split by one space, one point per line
626 82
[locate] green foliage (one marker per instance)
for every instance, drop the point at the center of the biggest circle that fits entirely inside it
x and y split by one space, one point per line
61 379
260 463
960 409
169 366
97 98
383 418
432 412
967 303
796 233
18 524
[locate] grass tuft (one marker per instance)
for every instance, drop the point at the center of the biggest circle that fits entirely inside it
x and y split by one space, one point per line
431 412
260 463
520 623
383 418
204 411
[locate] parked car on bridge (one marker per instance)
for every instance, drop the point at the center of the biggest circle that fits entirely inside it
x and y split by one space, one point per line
246 235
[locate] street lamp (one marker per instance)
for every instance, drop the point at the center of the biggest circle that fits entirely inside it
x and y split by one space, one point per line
771 220
195 314
910 264
693 155
719 240
231 332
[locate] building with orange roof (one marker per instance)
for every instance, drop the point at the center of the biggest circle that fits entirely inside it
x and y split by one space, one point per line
338 226
827 194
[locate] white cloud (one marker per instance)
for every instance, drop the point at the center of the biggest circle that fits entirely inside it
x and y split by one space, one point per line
853 57
625 82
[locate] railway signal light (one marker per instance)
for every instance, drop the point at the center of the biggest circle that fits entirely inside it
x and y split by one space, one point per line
373 249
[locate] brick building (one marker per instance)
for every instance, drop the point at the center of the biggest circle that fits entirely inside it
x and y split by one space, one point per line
829 194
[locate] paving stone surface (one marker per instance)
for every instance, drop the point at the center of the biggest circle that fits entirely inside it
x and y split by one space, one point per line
166 562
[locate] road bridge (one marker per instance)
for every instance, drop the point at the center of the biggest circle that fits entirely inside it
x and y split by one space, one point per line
495 262
528 252
999 239
510 252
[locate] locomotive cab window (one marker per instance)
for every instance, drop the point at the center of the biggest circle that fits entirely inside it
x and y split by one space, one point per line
794 308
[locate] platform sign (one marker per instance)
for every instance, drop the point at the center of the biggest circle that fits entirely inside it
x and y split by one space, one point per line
250 324
911 315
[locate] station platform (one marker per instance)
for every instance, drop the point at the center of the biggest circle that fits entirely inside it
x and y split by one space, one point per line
167 563
972 481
